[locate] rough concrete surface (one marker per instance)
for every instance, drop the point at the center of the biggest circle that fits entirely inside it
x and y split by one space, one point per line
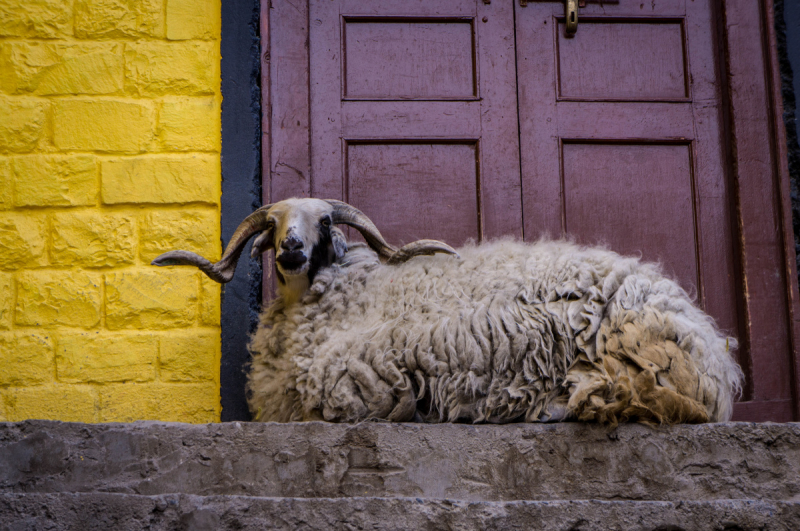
568 461
120 512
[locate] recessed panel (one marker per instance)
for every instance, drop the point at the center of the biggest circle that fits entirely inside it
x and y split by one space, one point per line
637 199
409 59
416 191
630 61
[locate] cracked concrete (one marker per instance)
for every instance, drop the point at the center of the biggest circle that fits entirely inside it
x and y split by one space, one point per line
97 511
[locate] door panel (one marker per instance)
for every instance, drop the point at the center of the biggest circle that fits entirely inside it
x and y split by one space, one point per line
439 179
626 60
609 189
397 59
413 115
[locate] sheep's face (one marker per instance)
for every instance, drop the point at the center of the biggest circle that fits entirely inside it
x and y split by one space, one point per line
304 238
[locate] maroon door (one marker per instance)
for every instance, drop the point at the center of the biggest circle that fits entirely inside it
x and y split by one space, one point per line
470 119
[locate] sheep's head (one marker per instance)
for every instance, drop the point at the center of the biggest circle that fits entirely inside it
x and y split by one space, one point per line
303 234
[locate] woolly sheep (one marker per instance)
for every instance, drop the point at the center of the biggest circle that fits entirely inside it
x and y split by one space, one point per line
499 332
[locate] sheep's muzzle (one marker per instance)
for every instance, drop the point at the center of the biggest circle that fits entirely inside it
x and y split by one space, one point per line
291 260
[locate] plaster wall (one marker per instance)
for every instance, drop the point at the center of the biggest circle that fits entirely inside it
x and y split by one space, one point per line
109 156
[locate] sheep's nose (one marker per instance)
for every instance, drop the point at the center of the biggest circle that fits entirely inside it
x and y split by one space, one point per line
291 244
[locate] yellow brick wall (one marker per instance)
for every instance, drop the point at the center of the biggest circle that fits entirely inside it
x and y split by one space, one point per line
109 156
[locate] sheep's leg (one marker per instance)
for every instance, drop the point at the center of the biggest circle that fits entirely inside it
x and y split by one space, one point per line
667 405
650 379
620 391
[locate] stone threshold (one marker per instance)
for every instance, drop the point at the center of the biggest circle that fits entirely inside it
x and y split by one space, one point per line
470 463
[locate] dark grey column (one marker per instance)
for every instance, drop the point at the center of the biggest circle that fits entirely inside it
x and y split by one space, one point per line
787 25
241 190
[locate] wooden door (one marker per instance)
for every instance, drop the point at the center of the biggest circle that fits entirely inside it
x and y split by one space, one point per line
648 131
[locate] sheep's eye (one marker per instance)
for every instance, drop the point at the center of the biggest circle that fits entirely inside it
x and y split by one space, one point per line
270 225
326 222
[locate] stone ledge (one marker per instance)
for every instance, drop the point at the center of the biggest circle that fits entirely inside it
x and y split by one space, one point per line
101 511
567 461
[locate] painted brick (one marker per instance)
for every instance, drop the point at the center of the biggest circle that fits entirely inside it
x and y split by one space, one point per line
55 180
161 179
6 300
119 18
44 19
70 298
193 19
210 301
26 358
172 68
190 356
69 403
105 125
93 239
103 357
6 183
189 124
22 123
50 69
22 240
135 95
153 298
191 230
196 403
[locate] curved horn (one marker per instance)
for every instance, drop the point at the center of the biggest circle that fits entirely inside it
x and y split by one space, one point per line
223 270
420 247
349 215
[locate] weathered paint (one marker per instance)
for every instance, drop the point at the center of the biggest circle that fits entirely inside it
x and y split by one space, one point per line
109 156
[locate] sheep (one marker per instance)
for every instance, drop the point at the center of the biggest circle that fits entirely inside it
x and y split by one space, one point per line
498 332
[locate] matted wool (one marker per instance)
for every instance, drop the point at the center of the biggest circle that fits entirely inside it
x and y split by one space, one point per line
507 332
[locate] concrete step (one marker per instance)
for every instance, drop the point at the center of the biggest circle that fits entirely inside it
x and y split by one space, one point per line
568 461
120 512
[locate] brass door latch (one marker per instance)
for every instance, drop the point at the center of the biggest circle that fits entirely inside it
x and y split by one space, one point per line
570 13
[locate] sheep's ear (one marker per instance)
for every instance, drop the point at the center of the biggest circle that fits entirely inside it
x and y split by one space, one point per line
339 243
262 244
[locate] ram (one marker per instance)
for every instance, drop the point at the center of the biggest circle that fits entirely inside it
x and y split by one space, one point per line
498 332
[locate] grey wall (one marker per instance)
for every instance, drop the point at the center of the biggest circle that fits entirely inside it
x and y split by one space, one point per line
791 17
241 191
787 24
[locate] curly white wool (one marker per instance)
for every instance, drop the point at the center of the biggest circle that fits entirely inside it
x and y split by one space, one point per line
511 331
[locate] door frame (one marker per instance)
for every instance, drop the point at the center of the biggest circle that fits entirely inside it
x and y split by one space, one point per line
769 308
753 127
